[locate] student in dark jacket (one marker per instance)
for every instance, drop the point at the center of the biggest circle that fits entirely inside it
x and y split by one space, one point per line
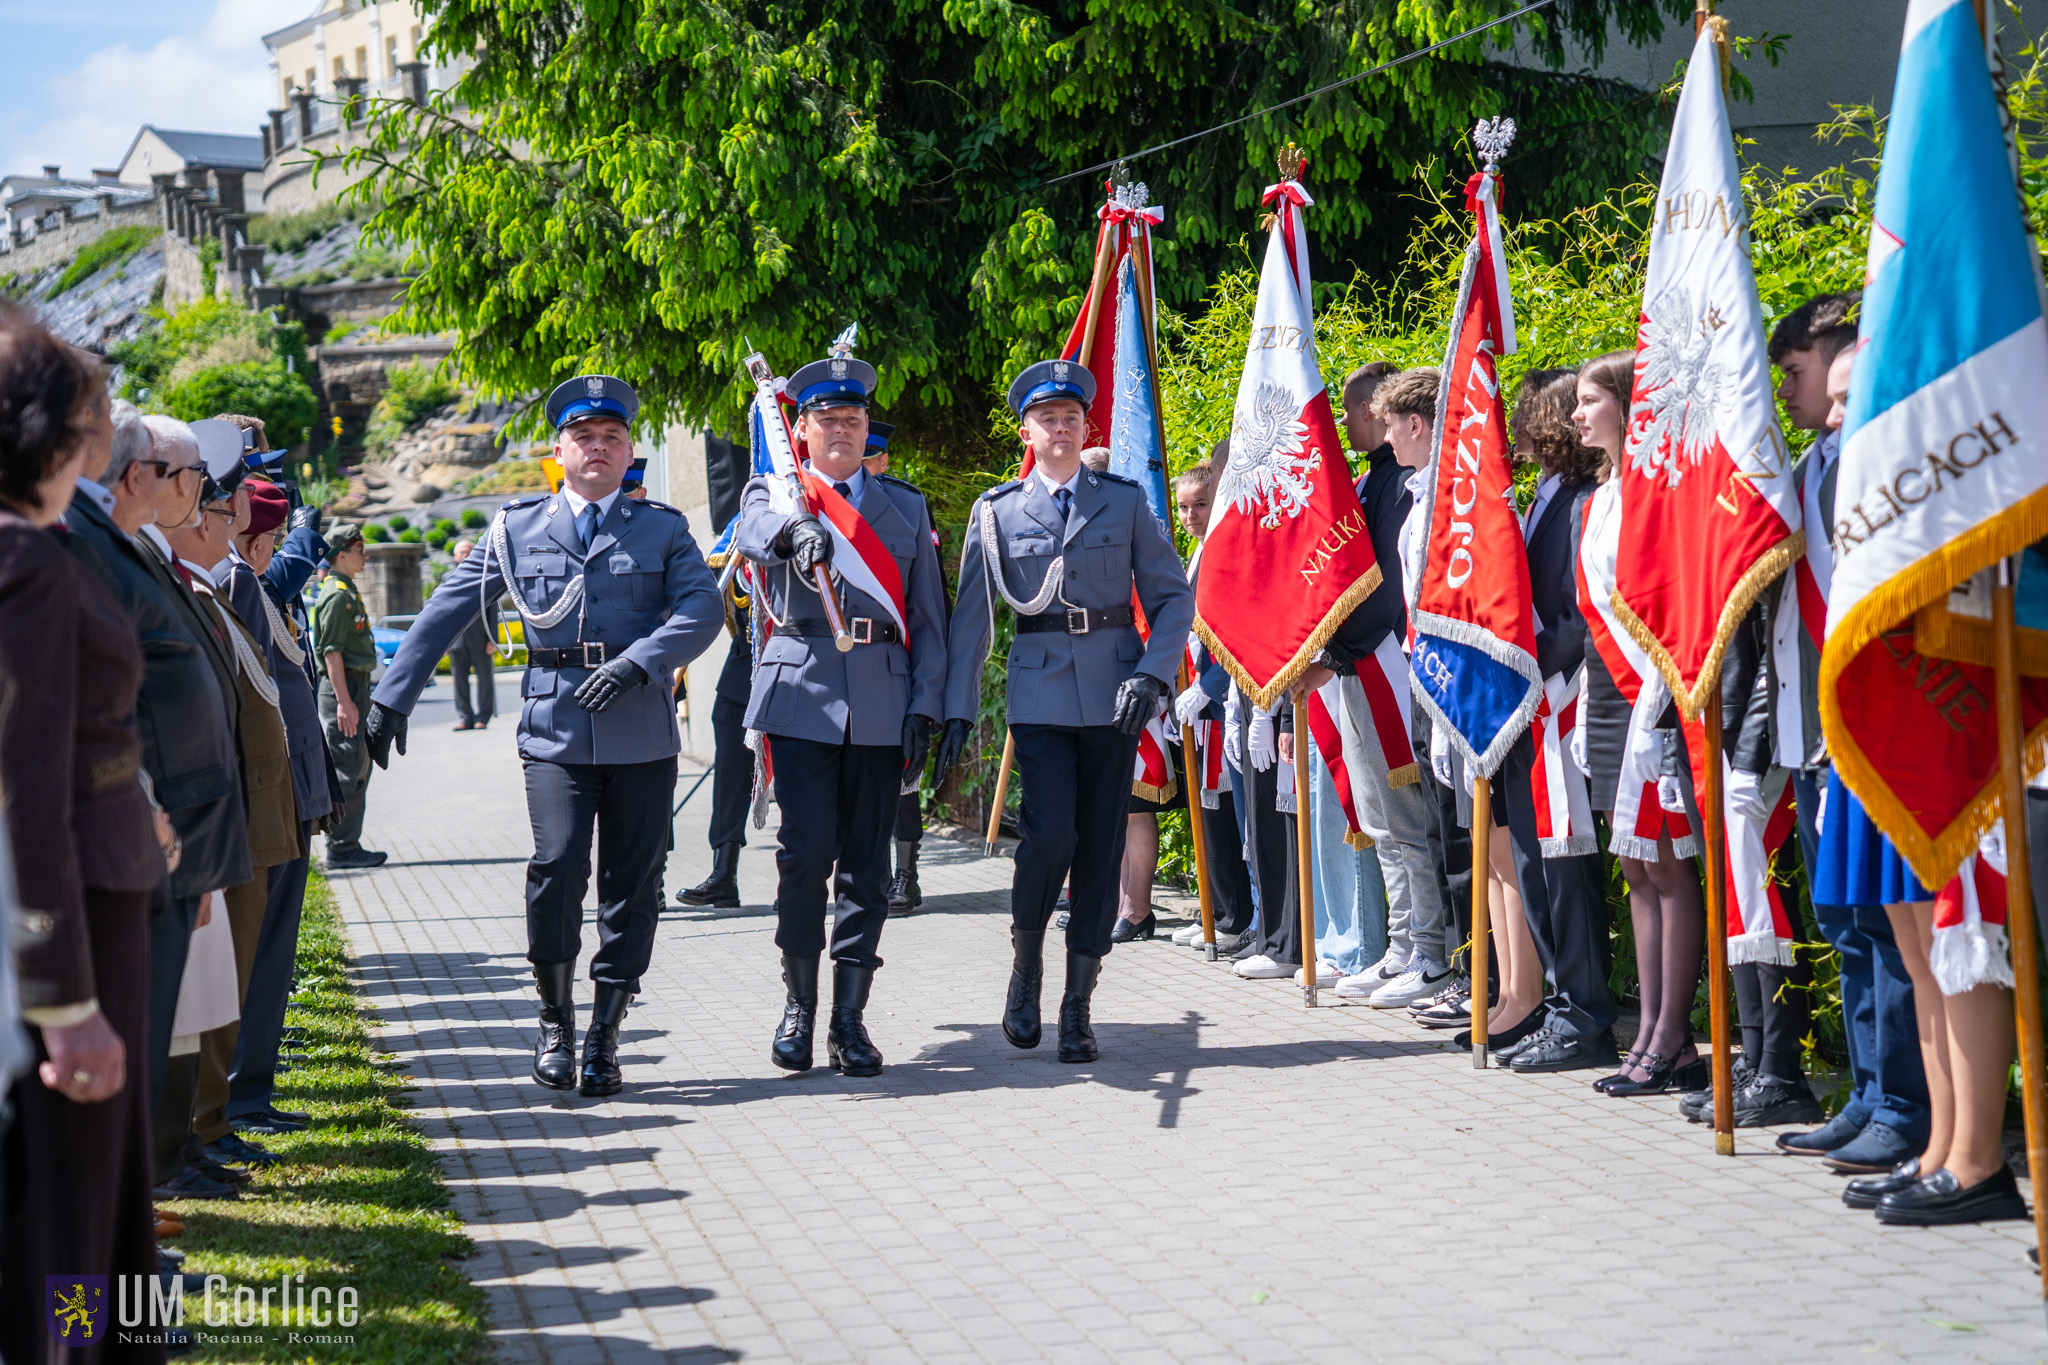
76 1160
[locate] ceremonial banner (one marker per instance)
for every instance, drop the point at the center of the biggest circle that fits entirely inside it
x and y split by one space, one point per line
1942 467
1124 231
1289 554
1473 661
1710 514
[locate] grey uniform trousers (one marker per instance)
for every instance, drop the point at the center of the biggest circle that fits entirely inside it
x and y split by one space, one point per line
352 766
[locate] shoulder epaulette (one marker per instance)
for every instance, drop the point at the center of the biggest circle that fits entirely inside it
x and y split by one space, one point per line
650 502
1000 489
1125 480
526 502
901 483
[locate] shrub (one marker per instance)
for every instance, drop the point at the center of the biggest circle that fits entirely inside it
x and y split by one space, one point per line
190 332
437 538
412 391
282 399
474 519
346 327
398 523
409 537
287 232
512 476
109 248
446 526
375 534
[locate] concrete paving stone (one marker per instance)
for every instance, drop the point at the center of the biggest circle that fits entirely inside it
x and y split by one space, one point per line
977 1203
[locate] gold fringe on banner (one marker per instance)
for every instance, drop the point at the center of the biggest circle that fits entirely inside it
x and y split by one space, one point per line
1358 839
1692 701
1407 775
1162 794
1266 697
1933 859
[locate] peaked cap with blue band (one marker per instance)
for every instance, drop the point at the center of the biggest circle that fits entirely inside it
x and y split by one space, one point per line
636 472
592 395
1050 379
839 381
879 434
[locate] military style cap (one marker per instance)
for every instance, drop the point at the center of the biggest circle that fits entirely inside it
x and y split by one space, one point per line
339 538
879 434
1050 379
592 395
837 382
220 454
636 473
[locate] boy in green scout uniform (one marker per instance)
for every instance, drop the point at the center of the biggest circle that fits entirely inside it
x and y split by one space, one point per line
341 633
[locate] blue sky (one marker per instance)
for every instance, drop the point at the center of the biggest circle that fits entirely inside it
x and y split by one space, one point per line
85 74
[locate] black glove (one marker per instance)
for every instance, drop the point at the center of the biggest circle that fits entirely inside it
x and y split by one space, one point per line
383 728
917 743
951 745
1136 701
809 544
604 686
305 516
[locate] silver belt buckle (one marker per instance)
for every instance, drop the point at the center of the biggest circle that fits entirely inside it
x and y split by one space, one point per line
588 661
1077 620
862 628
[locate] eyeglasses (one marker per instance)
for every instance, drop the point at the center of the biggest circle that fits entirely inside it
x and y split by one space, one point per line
224 513
162 467
182 470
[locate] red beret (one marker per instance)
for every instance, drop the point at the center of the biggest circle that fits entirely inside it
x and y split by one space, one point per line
268 508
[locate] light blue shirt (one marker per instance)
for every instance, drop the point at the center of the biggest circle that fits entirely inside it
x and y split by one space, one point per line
856 482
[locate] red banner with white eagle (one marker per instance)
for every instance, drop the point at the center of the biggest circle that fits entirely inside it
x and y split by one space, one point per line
1709 513
1288 552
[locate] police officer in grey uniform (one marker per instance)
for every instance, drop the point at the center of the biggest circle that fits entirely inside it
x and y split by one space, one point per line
1066 548
615 596
843 727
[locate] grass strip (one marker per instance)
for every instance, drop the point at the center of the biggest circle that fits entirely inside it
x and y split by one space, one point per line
357 1202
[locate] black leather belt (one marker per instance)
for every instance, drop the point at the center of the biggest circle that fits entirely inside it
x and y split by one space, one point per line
1075 620
865 630
586 655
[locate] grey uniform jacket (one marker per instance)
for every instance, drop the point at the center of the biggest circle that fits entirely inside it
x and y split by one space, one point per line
647 596
1111 542
805 687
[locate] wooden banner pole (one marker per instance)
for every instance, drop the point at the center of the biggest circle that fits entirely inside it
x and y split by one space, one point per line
995 810
1304 849
1482 912
2019 892
1712 849
1191 786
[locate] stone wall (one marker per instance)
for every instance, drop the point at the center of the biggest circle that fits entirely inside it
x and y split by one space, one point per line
182 275
63 242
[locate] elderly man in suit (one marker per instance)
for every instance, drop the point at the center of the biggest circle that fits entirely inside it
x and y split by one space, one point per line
1066 548
614 595
469 660
843 726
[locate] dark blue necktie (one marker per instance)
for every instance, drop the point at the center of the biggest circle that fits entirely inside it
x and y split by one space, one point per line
843 491
1065 498
586 524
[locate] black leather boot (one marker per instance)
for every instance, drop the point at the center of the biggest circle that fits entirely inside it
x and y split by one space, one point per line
554 1053
601 1044
904 896
1027 975
792 1050
1077 1036
720 890
847 1045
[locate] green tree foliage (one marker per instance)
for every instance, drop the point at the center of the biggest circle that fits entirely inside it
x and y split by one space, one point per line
148 360
260 389
644 186
411 392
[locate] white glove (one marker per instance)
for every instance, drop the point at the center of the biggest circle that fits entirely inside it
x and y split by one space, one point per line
1671 795
1189 705
1820 810
1259 742
1233 731
1746 796
1440 754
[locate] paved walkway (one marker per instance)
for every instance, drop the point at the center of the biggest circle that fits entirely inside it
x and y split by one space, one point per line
1237 1178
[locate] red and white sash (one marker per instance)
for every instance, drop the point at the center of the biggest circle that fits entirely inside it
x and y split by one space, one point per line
1638 818
1970 946
1564 806
1332 740
1759 921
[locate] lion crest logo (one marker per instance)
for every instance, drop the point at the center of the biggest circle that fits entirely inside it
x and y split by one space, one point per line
75 1305
1269 469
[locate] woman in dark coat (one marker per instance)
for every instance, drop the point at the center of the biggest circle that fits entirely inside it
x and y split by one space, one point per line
87 856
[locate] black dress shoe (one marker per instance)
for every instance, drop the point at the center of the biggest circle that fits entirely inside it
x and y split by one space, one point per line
1772 1100
601 1045
1077 1033
554 1052
1027 975
847 1045
1556 1052
1939 1200
1502 1043
720 890
1607 1083
792 1049
1865 1190
355 858
1126 931
1662 1070
1837 1131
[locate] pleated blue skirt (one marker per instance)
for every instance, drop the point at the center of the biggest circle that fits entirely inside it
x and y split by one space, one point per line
1857 864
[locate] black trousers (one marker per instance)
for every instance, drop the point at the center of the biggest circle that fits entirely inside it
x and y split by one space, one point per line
253 1077
1450 843
838 805
1077 793
1774 1019
1276 865
1230 881
1565 900
732 772
170 940
910 817
463 667
629 803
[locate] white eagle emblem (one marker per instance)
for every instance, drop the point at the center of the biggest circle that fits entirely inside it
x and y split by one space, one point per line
1059 371
1268 467
1685 395
838 368
593 385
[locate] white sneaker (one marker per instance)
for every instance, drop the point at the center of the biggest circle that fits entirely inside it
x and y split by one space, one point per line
1419 982
1326 975
1189 936
1263 967
1359 987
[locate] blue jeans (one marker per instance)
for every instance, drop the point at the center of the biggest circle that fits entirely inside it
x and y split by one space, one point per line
1877 1002
1351 896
